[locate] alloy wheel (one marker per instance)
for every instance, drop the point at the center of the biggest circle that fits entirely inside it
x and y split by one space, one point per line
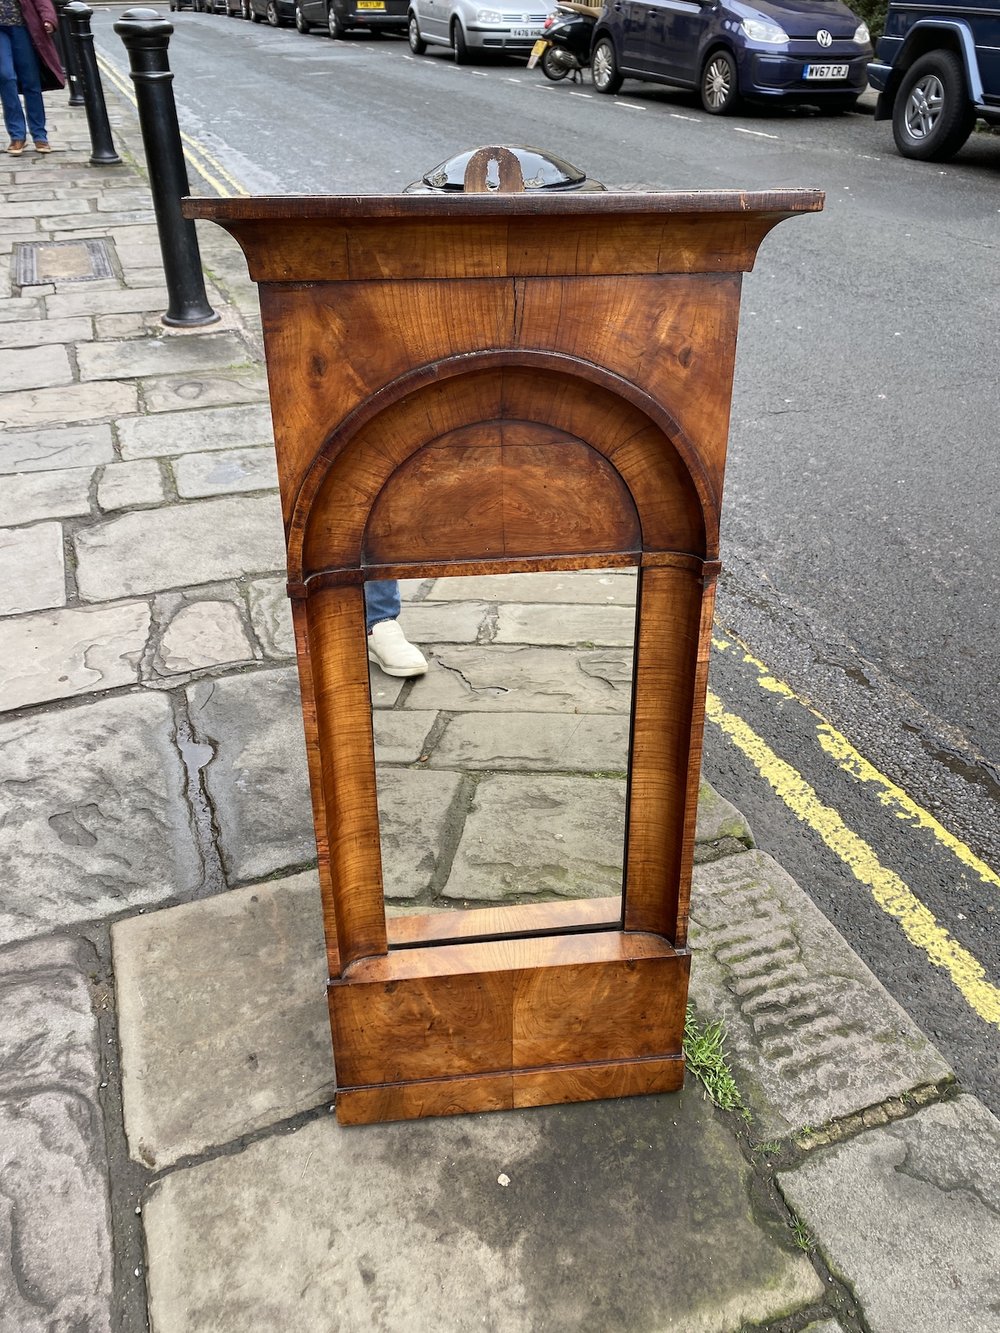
924 106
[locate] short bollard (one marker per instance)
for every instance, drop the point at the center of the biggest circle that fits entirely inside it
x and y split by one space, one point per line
146 35
102 146
69 54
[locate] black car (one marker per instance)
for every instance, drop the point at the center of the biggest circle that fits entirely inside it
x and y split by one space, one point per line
279 13
937 71
340 16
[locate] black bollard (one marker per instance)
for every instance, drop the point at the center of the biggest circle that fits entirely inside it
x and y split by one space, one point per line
70 63
102 146
146 35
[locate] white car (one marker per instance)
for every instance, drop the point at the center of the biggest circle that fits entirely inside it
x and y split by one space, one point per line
469 28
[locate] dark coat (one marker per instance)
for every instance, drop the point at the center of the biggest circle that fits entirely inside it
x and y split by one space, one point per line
35 14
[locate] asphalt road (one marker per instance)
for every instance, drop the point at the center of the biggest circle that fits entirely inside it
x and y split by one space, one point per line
861 532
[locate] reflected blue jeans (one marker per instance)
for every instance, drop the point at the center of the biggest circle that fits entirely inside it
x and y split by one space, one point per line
381 601
19 65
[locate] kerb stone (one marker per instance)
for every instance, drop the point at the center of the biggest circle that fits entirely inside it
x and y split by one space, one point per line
811 1034
909 1215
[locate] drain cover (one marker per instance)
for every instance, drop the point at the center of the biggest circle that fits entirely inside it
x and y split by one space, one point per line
33 262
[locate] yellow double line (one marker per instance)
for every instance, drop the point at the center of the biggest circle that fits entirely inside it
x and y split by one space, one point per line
889 891
209 168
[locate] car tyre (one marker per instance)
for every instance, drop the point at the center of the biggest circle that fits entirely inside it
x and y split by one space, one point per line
302 24
719 87
604 67
552 68
334 25
459 45
273 17
417 44
932 116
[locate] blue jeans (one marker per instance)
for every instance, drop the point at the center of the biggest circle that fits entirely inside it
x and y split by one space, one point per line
19 65
381 601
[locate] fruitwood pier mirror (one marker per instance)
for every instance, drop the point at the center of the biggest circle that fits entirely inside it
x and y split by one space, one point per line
498 382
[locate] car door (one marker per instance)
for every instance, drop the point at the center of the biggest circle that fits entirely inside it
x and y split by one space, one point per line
630 20
433 17
676 28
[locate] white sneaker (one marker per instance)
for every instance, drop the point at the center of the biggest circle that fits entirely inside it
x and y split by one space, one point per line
389 648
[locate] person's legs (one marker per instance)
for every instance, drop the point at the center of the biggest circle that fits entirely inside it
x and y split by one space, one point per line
13 116
29 76
388 646
381 601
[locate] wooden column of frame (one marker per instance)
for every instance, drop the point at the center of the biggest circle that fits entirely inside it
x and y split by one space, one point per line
488 384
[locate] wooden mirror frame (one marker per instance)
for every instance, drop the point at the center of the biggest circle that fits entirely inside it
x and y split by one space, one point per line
494 384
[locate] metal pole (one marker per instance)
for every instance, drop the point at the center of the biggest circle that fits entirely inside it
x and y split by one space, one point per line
102 146
146 35
70 62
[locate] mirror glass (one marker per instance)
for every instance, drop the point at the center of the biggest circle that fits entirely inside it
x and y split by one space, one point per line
502 770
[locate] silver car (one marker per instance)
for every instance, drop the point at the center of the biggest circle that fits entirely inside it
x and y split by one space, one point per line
471 28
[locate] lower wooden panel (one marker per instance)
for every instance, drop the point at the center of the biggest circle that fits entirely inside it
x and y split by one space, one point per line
510 1091
490 1025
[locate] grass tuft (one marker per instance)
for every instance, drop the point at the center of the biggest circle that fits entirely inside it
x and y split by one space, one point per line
704 1050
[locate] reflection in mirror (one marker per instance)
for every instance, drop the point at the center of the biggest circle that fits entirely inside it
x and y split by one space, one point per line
502 770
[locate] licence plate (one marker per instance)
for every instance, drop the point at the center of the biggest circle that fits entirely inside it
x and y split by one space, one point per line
537 51
826 71
525 32
371 4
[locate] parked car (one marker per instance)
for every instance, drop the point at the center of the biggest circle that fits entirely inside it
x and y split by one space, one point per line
786 51
181 4
340 16
937 71
209 6
238 9
279 13
470 28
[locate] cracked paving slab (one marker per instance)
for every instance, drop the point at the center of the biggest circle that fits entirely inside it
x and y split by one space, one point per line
505 678
881 1204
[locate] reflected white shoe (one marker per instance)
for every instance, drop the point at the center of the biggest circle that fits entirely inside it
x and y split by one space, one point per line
389 648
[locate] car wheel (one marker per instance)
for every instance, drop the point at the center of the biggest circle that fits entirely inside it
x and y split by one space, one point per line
417 44
932 116
334 24
301 24
604 67
273 17
459 44
246 11
719 89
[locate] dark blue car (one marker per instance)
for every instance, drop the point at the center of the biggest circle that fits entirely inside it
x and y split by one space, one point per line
788 51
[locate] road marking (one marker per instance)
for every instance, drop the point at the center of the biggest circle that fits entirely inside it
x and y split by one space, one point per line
759 133
573 94
852 762
194 152
629 106
675 115
891 894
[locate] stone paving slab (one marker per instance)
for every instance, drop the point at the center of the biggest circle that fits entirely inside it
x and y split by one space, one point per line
414 809
257 778
172 393
812 1035
909 1215
119 300
528 837
505 678
616 588
222 1017
225 472
74 402
399 737
59 654
130 485
272 617
201 634
593 626
179 546
158 356
32 568
61 447
63 493
54 1226
443 622
39 332
536 742
94 812
172 433
597 1214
